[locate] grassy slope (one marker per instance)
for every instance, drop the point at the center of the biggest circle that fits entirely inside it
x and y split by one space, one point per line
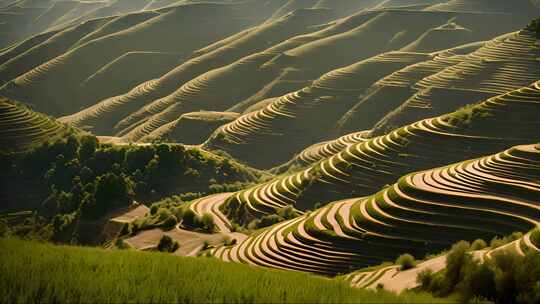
47 273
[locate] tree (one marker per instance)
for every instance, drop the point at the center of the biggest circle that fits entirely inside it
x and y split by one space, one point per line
137 158
88 146
111 191
207 222
535 27
478 244
287 212
456 258
188 218
406 261
167 244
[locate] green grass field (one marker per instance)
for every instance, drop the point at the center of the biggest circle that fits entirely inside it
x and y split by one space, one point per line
34 272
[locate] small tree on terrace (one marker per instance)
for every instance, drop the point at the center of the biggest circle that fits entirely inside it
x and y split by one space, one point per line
167 244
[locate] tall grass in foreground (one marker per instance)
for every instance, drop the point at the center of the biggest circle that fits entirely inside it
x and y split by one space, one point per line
34 272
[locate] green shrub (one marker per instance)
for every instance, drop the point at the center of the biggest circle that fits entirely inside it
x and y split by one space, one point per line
227 241
120 244
406 261
478 282
170 222
535 237
154 209
478 244
189 218
287 212
255 224
425 278
235 227
498 242
206 245
535 27
505 278
126 229
207 223
167 244
456 259
269 220
527 279
178 212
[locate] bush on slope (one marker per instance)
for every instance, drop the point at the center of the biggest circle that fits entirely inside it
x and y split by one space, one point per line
535 27
506 277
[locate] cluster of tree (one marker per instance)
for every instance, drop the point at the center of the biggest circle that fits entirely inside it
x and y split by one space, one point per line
505 278
169 213
78 175
282 214
167 244
535 27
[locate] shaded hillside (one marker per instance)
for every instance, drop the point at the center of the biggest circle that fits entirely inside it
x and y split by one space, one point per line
504 64
257 11
308 53
423 212
212 64
22 19
363 168
191 128
159 34
22 129
501 6
305 58
443 82
296 120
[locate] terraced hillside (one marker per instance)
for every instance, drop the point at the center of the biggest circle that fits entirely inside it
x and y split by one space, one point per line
221 53
253 12
304 41
22 19
319 136
362 169
393 90
159 33
450 80
21 128
423 212
437 83
298 66
322 150
295 120
503 64
485 5
191 128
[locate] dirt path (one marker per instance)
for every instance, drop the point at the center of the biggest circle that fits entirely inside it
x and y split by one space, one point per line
210 205
190 242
